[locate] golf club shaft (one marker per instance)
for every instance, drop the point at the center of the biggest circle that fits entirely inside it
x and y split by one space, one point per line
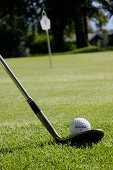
14 78
30 101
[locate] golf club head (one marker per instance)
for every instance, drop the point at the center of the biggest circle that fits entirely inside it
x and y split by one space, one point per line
90 136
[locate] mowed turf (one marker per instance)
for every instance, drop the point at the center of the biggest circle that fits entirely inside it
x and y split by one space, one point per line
79 85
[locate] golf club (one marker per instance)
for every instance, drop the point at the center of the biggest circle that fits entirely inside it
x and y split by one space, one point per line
88 136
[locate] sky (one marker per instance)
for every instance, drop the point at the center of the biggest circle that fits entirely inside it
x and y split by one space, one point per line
109 25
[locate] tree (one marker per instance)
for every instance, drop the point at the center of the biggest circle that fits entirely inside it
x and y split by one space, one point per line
12 39
14 23
57 13
61 14
101 19
80 19
97 14
86 12
107 5
12 28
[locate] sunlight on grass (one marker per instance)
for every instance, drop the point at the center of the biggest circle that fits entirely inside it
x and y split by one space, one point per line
79 85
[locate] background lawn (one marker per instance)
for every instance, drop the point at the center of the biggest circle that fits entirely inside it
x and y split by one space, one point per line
79 85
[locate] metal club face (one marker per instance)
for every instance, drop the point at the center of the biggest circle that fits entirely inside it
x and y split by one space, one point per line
89 136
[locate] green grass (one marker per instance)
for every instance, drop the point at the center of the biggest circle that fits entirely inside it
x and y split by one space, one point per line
79 85
90 49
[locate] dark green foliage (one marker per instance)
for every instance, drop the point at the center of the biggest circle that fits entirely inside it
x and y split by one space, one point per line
14 19
12 41
58 13
38 43
110 40
69 46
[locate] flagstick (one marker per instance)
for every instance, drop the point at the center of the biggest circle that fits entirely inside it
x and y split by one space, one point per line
45 24
49 49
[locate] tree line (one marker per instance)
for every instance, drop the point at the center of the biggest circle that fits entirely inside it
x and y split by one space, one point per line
20 21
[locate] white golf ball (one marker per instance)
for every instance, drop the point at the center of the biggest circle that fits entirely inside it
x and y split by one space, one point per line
79 125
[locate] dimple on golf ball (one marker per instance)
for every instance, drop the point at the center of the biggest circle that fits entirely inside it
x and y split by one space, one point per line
79 125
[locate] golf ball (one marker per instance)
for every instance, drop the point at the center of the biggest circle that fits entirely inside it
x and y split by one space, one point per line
79 125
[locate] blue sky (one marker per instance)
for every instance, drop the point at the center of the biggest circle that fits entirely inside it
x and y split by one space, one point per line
109 25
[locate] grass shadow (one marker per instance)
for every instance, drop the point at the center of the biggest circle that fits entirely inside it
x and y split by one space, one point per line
91 49
5 150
